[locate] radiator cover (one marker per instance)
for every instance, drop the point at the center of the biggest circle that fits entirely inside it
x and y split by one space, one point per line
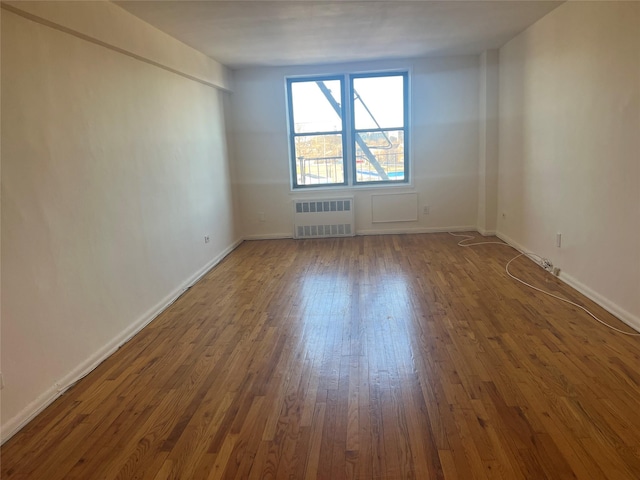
330 217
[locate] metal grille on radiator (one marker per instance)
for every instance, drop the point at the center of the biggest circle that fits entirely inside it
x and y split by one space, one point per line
323 218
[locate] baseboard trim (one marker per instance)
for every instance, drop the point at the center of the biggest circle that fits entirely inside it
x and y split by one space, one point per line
627 317
511 242
269 236
376 231
400 231
13 425
623 315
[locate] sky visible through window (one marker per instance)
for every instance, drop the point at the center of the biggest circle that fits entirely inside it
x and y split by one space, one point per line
382 95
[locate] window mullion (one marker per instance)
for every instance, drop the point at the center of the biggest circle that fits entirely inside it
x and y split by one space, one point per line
347 125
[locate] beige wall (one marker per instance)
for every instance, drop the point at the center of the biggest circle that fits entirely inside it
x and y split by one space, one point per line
443 136
570 147
113 171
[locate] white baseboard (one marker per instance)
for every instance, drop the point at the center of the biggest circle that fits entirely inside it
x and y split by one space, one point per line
14 424
486 233
627 317
268 236
511 242
398 231
376 231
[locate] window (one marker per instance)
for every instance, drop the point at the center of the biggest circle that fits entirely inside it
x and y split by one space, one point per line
317 131
362 141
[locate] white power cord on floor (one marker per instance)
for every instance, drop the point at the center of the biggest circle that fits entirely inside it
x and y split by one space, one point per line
532 255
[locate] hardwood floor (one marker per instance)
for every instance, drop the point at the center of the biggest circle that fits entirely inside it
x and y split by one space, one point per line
381 357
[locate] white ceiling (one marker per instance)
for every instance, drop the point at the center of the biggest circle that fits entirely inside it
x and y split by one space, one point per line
242 33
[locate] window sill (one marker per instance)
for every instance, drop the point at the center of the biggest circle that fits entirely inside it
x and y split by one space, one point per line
341 189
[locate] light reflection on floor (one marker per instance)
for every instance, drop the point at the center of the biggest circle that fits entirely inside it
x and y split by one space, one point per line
369 321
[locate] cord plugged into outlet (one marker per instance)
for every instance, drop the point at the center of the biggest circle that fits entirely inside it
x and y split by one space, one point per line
546 264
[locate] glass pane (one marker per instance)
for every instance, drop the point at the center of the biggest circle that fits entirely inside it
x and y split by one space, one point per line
380 156
312 109
378 102
319 159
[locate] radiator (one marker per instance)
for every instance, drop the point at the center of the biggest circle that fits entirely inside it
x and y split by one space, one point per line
323 218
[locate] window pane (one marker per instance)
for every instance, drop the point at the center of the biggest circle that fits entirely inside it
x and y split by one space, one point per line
380 156
319 159
378 102
312 110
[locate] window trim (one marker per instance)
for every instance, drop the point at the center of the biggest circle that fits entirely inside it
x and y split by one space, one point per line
349 131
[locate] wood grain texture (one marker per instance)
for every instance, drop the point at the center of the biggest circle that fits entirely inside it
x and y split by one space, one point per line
381 357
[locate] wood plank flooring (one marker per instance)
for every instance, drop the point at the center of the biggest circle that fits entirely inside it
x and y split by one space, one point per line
378 357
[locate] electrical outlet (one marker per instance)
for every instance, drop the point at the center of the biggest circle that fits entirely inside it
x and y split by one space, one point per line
426 209
206 239
558 239
1 381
